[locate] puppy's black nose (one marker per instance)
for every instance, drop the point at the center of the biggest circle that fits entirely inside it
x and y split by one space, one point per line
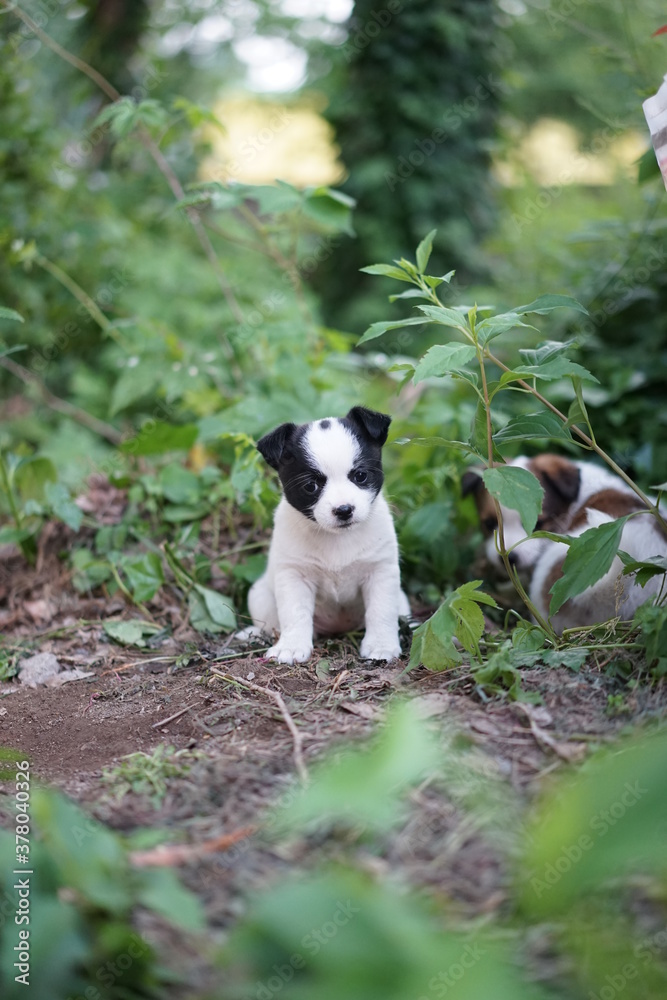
344 512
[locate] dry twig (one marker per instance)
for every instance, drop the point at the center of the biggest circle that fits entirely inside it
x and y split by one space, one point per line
276 696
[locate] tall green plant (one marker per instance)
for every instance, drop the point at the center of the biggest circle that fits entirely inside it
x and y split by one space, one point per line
468 355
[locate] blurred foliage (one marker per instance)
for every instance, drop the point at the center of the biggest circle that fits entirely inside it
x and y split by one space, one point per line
580 860
414 96
168 323
84 897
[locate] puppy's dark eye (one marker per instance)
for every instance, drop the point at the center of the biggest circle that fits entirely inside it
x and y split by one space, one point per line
359 476
490 524
312 487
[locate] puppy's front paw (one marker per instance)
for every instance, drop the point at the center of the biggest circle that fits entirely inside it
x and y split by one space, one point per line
289 653
380 649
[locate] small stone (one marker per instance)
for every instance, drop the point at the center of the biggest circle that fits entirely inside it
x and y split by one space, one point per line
38 669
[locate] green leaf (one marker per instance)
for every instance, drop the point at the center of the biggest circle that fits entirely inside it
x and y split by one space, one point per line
645 568
652 622
412 293
494 326
133 384
443 359
32 476
572 659
158 437
460 617
132 632
528 426
383 943
589 557
389 271
648 168
424 251
545 351
432 642
126 114
159 890
181 513
377 329
179 485
210 611
62 506
197 114
478 441
527 637
610 823
222 196
368 786
548 371
547 303
15 536
330 209
89 571
13 350
446 317
518 489
6 313
89 858
499 674
145 576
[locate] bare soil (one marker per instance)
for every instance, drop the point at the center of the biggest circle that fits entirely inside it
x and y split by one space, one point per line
174 693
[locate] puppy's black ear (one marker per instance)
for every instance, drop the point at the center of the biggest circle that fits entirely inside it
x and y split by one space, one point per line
371 423
272 445
471 481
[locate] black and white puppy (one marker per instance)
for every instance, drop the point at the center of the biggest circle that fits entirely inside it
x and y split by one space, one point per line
577 496
333 558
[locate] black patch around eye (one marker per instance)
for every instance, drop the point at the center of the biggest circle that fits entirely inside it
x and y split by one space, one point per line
303 487
369 476
490 524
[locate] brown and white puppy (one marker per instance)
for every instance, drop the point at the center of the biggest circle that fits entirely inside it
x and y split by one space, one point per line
577 496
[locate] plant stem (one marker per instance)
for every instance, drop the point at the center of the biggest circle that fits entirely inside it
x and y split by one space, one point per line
11 499
502 550
61 405
79 294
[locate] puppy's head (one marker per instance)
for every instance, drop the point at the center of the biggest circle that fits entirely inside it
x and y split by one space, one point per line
330 470
560 480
